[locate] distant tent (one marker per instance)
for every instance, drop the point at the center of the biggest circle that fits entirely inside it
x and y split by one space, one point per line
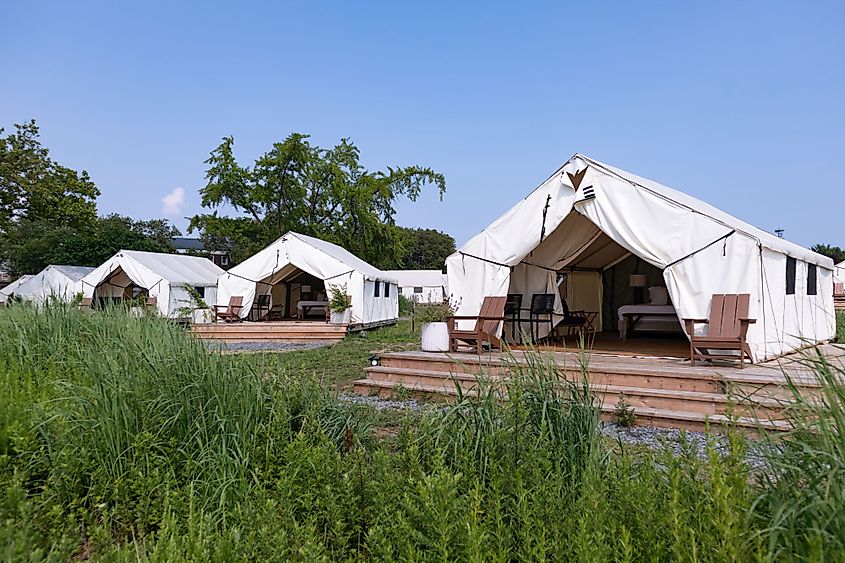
299 268
588 217
839 273
10 289
61 282
422 286
163 276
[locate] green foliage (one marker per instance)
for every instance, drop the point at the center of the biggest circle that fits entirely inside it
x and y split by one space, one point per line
297 186
35 187
339 299
122 438
834 252
840 327
34 244
406 306
433 312
425 249
624 412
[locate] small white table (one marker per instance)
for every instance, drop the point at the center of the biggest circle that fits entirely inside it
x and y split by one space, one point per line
303 307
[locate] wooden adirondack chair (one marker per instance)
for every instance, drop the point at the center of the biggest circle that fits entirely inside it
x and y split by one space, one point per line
86 303
151 304
726 329
486 325
232 311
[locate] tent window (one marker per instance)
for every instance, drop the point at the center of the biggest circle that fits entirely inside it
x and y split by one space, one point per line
386 289
200 291
790 275
378 287
811 279
417 289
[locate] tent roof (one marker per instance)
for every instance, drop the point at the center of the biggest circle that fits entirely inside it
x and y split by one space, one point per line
178 269
74 273
423 278
343 255
768 240
10 288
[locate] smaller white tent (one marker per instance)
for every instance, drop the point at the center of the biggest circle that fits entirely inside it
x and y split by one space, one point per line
839 273
163 276
375 299
12 288
422 286
61 282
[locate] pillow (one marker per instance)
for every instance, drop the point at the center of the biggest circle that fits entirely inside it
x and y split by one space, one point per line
658 295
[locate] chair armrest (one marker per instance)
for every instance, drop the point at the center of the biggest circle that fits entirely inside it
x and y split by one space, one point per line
705 321
749 321
218 307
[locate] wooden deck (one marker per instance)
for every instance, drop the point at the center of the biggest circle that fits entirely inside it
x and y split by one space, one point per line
279 331
663 390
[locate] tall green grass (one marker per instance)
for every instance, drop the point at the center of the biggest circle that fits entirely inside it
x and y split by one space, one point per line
122 438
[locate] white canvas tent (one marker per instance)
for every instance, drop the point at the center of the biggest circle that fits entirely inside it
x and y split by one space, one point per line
588 216
164 276
12 288
374 294
839 273
422 286
61 282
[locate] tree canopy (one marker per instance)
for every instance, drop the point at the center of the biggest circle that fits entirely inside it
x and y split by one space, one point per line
35 187
425 249
834 252
297 186
48 212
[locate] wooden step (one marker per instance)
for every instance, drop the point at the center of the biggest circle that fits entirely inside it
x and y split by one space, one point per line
644 415
619 373
637 396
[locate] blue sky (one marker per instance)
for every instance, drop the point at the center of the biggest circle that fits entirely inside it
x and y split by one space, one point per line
737 103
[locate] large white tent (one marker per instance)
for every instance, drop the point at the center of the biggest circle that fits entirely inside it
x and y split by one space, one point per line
374 293
12 288
588 216
163 276
61 282
422 286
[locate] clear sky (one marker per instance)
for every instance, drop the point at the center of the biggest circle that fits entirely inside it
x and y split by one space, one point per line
737 103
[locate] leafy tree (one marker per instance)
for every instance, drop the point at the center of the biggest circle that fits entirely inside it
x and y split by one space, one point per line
425 249
35 187
297 186
34 244
834 252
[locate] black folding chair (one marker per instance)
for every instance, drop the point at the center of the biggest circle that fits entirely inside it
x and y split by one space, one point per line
261 308
513 312
542 311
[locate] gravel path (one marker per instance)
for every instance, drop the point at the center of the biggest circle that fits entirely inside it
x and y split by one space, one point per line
654 438
264 346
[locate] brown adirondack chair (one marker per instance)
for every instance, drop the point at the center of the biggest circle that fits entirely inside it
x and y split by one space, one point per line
151 304
726 329
231 312
86 303
486 325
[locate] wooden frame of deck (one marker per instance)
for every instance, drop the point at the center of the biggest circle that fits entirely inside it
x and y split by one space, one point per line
663 391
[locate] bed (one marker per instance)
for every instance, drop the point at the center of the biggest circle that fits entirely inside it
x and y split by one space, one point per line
657 316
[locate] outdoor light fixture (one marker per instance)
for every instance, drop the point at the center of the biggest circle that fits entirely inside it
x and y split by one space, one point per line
374 360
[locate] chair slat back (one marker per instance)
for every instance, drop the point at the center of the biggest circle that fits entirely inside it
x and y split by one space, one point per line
490 307
726 309
236 303
263 300
513 304
839 289
152 302
542 303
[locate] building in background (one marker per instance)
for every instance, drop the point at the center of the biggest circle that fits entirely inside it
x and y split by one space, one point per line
422 286
195 247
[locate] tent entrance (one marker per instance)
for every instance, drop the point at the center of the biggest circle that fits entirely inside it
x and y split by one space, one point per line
290 294
117 288
591 276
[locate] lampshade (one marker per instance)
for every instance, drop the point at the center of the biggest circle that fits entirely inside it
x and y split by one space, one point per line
637 280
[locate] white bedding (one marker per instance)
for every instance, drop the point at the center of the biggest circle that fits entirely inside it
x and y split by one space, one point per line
654 318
